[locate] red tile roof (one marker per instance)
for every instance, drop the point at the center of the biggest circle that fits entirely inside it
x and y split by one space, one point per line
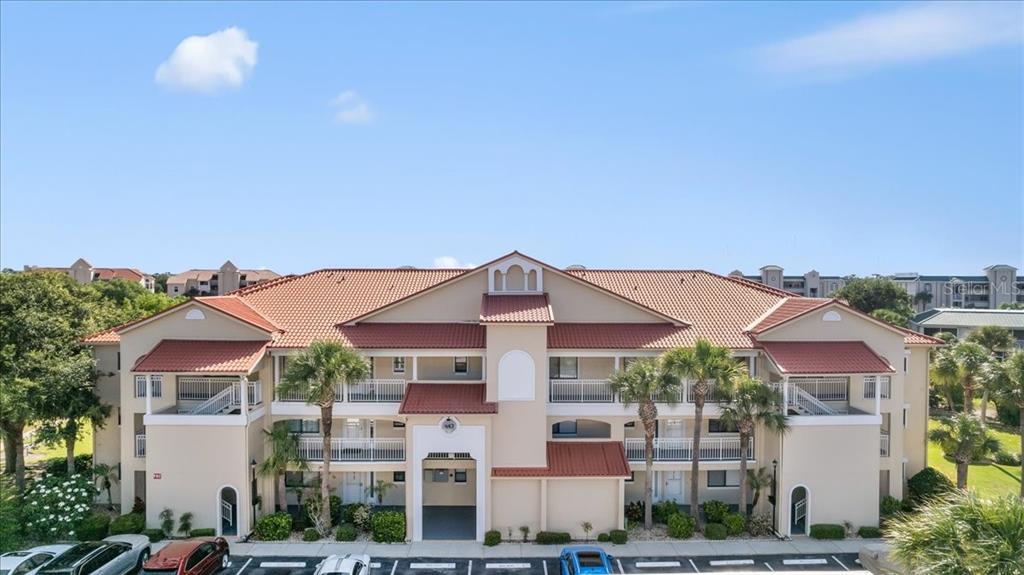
130 274
821 357
913 338
616 336
414 336
575 459
105 336
788 309
516 309
237 308
191 355
446 398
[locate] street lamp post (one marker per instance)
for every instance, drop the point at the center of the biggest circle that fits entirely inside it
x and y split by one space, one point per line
773 498
252 488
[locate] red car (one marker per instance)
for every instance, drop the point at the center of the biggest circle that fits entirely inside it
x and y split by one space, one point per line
189 557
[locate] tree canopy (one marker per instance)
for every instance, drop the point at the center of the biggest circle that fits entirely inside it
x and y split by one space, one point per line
876 293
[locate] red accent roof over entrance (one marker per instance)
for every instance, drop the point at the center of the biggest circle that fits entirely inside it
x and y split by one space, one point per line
193 355
821 357
571 459
446 398
516 309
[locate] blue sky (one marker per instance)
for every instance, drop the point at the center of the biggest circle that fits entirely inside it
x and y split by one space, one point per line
849 138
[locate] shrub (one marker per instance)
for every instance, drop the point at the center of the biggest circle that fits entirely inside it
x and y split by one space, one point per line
715 511
185 523
59 465
347 532
928 483
273 527
362 518
760 525
130 523
93 527
618 536
310 534
552 538
662 510
869 532
154 534
336 510
890 506
635 511
139 506
734 523
827 531
525 530
716 531
492 538
1007 458
681 526
55 505
204 532
389 527
603 538
167 522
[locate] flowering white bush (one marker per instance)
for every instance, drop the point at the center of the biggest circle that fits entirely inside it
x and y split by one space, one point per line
55 504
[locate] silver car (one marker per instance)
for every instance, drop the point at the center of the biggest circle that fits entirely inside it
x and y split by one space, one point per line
23 562
348 564
115 555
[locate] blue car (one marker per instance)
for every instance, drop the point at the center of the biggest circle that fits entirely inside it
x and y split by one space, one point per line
585 560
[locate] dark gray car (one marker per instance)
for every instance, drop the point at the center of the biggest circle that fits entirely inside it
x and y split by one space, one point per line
116 555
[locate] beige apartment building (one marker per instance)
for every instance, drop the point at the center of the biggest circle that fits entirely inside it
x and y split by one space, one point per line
83 272
488 406
227 278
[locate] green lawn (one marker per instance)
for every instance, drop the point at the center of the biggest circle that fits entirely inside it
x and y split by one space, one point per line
82 447
987 479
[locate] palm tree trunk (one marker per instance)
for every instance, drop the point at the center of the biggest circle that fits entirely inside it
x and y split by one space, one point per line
961 475
110 496
698 419
968 399
649 427
949 399
984 408
326 420
743 476
282 493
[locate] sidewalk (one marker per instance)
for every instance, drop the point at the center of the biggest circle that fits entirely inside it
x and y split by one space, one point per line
472 549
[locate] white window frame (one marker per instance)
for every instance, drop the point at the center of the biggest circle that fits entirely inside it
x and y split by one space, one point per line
398 365
455 364
726 485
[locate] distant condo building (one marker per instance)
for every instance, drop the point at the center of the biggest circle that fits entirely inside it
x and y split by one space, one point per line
216 282
999 285
83 272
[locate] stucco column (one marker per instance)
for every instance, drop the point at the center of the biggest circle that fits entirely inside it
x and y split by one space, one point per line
621 519
785 394
415 368
243 383
149 394
543 504
878 396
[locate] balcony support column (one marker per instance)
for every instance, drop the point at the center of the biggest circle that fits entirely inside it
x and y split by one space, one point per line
785 394
149 394
618 362
243 384
415 368
878 394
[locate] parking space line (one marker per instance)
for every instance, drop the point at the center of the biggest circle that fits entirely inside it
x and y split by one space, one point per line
813 561
244 566
432 566
545 564
694 565
393 567
470 568
841 564
654 564
769 566
282 564
621 570
507 565
730 562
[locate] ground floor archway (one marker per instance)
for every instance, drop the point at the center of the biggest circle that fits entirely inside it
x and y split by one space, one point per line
227 503
798 510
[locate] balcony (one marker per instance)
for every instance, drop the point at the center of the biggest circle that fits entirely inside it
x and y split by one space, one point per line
215 395
599 391
140 445
681 449
365 391
348 450
884 437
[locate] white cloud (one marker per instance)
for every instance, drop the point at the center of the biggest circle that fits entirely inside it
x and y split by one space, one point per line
223 59
351 108
450 262
911 34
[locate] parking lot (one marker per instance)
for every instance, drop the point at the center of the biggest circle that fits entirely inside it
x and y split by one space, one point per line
842 562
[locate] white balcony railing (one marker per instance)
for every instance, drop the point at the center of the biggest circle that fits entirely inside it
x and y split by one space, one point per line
368 390
712 396
311 448
227 400
681 448
833 388
869 386
581 391
200 388
884 444
140 445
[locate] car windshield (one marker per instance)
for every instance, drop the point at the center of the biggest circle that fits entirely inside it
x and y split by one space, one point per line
590 559
69 558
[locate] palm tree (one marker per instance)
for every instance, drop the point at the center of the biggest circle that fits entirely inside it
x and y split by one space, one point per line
105 475
316 373
284 454
963 439
758 480
641 383
944 374
961 533
991 379
970 358
751 403
1013 391
997 341
703 364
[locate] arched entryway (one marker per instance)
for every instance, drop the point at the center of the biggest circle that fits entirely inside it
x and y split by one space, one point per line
227 510
799 508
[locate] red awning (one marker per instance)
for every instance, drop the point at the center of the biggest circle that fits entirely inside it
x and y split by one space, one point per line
516 309
572 459
821 357
192 355
446 398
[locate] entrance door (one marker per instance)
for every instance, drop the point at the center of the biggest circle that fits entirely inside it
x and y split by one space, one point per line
668 485
228 511
353 487
798 511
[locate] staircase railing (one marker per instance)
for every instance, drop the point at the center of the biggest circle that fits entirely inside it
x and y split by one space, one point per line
218 403
800 398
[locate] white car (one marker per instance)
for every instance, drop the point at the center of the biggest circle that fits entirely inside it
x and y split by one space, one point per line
115 555
347 564
22 562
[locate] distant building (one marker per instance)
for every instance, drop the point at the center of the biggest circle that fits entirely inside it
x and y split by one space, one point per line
216 282
83 272
999 285
961 322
